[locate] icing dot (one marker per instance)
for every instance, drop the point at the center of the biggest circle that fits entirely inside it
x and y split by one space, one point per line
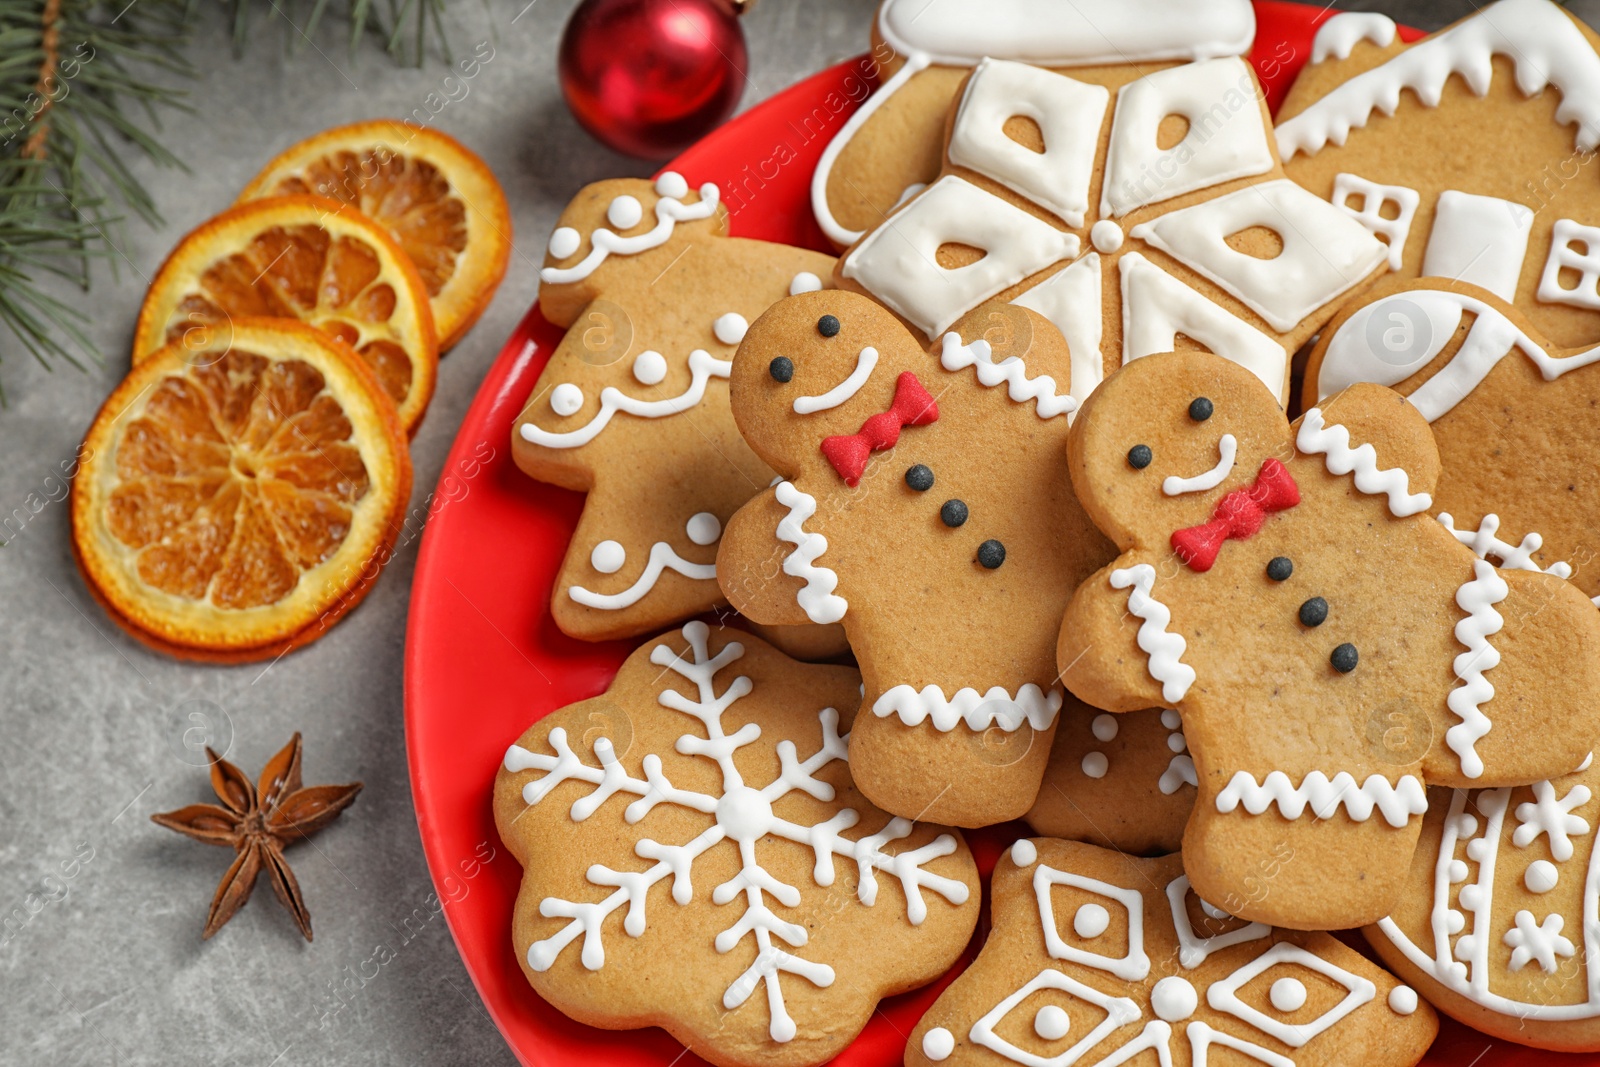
938 1043
1454 921
1171 719
1177 742
1200 408
1106 236
1139 457
703 528
650 368
1091 921
1174 998
730 328
1402 1000
1279 568
1478 850
1104 727
953 513
1466 824
1541 876
1024 854
991 554
1314 612
1458 871
782 370
1052 1022
828 326
804 282
564 241
566 399
672 184
1095 764
608 557
624 212
1472 897
920 477
1288 994
1344 658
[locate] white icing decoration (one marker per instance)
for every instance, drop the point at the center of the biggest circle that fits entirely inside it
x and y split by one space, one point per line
566 399
1095 764
1180 772
1212 911
1070 299
1370 215
1174 998
1403 1000
1226 138
703 528
1202 1036
1164 648
1587 760
1336 37
650 367
672 184
625 212
1051 1022
1324 796
1068 113
1104 727
564 241
1542 43
1156 307
938 1044
1106 236
978 711
1130 967
866 360
1541 942
898 264
1193 949
816 597
1041 391
608 557
1332 442
663 557
730 328
805 282
702 368
1023 853
1120 1011
1478 239
1586 294
1091 921
1223 995
1227 449
670 211
1287 994
1541 876
1518 557
742 815
1325 252
1477 598
1553 818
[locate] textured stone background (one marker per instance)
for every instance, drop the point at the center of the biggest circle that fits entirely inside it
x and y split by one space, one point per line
99 733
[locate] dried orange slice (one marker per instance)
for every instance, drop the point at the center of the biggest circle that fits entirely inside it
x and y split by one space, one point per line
306 258
240 492
437 199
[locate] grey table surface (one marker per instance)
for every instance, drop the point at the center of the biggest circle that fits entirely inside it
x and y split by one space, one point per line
100 957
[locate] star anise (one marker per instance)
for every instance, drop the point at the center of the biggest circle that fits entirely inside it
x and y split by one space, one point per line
257 822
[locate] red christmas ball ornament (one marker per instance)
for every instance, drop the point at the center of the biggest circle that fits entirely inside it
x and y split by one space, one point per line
651 77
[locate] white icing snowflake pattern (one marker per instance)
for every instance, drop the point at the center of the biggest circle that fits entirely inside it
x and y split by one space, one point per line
741 814
1541 942
1552 818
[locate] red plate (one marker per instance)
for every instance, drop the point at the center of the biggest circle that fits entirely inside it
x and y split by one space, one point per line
484 659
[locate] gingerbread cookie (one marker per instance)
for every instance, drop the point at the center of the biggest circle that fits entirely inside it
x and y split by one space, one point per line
696 858
894 517
1463 152
1495 924
1332 647
1512 412
923 49
1160 220
633 405
1100 957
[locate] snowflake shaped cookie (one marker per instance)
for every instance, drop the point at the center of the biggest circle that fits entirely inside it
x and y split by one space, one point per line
692 839
1097 957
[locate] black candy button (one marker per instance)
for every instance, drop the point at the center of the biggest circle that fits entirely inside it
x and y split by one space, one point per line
1345 658
920 478
1279 568
1314 612
781 369
991 554
1139 457
828 326
1200 409
953 513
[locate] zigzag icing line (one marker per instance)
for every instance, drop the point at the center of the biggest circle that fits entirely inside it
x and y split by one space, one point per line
979 711
978 355
1324 796
1477 598
1316 436
817 598
669 212
1164 649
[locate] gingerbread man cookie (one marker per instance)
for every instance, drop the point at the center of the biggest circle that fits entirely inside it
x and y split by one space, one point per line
1463 152
696 858
633 405
923 502
922 50
1100 957
1331 647
1156 220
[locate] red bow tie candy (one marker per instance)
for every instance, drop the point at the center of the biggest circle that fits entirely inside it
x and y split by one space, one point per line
913 406
1237 516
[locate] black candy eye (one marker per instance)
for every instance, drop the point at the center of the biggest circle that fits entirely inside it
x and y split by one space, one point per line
920 478
1139 457
1200 409
953 513
1279 568
1314 612
1345 658
828 326
781 369
991 554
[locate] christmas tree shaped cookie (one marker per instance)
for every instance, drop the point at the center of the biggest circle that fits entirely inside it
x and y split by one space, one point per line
1100 957
633 405
1332 647
696 858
